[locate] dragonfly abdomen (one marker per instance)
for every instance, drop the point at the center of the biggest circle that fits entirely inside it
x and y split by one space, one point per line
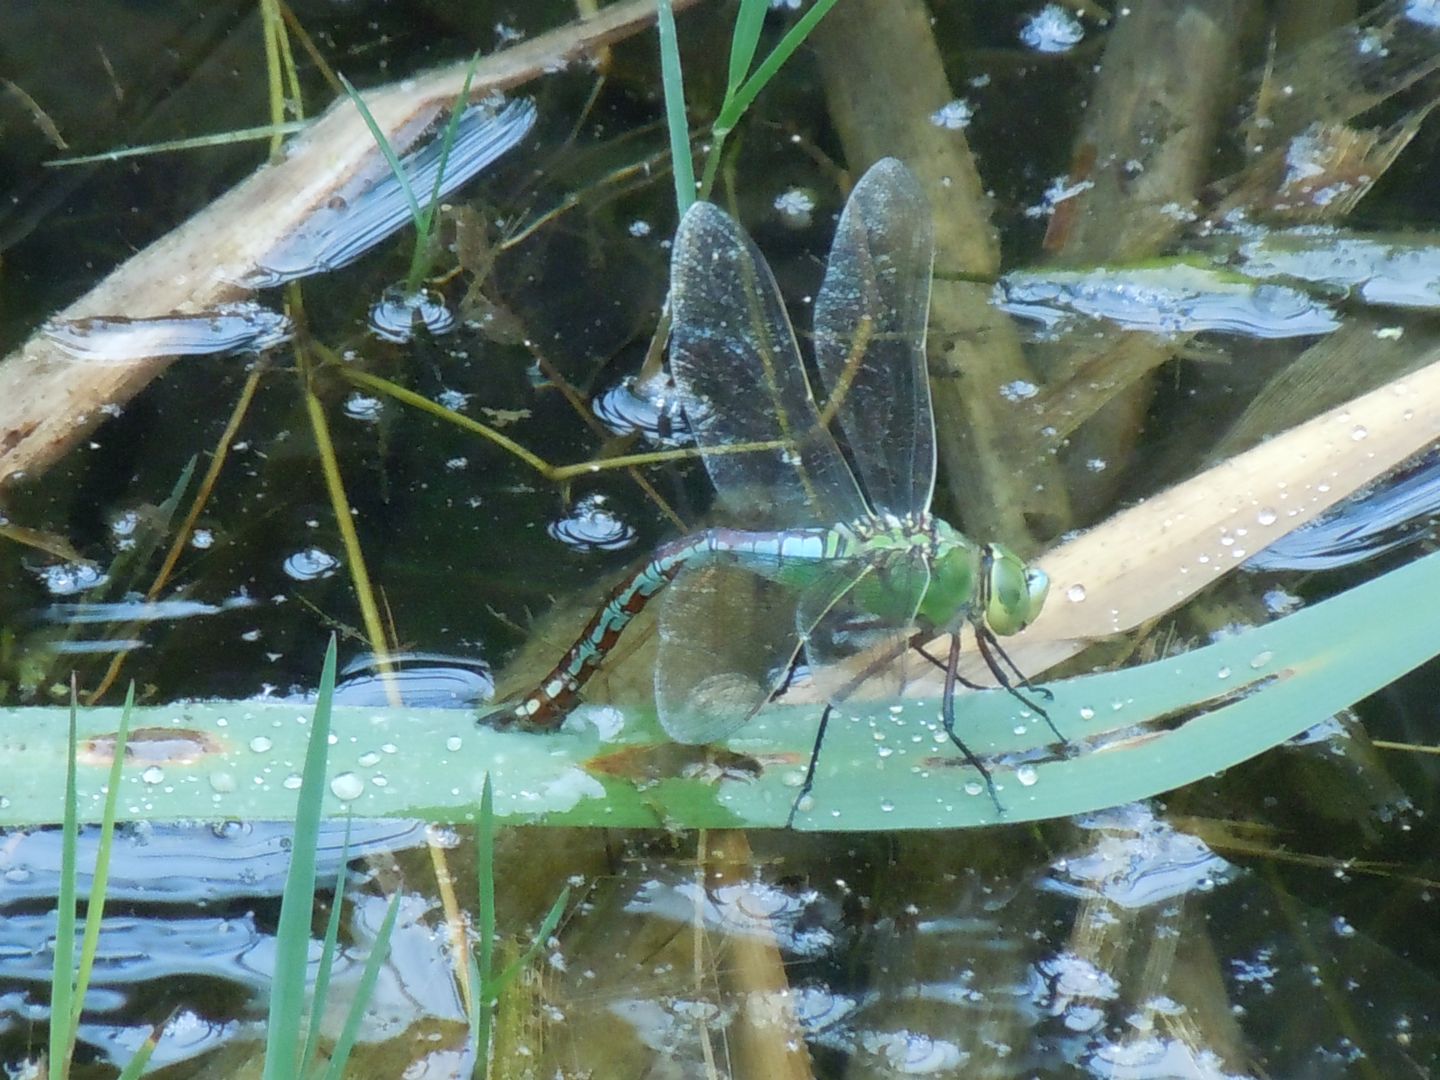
772 555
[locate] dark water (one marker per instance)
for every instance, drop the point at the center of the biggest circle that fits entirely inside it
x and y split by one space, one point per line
1276 921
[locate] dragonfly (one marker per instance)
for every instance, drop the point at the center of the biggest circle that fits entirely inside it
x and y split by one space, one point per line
835 550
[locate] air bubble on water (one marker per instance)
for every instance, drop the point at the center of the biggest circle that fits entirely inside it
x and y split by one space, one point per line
310 564
1019 390
261 744
796 207
1075 594
346 786
363 407
1027 775
953 116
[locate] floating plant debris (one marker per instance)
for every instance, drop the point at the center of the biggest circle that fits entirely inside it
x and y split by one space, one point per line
116 339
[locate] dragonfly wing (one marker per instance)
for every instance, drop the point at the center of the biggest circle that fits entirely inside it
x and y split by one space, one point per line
862 618
727 640
742 382
870 319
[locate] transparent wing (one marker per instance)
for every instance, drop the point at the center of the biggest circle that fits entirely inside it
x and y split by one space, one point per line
727 639
742 382
870 337
863 621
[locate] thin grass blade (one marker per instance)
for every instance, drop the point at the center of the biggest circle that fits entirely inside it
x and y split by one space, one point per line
364 990
675 119
95 906
292 938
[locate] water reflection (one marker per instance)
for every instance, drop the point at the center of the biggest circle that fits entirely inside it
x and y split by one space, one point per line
371 208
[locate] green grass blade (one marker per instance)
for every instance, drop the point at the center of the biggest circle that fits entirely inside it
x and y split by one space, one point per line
391 158
95 906
675 119
364 990
542 935
320 996
63 1005
744 39
482 990
736 104
195 142
135 1067
292 936
425 224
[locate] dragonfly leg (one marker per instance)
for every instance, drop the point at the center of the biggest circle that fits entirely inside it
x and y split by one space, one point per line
989 647
917 643
947 712
810 770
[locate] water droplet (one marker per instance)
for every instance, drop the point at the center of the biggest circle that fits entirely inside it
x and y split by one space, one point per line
1026 775
1360 432
1075 594
369 759
153 775
453 743
261 744
293 782
973 787
1223 673
346 786
222 783
884 752
1260 659
1266 516
1019 729
1087 713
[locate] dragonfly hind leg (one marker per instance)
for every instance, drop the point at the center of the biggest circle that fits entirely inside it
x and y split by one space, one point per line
809 782
947 714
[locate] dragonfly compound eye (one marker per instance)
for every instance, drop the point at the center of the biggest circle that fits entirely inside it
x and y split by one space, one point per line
1016 592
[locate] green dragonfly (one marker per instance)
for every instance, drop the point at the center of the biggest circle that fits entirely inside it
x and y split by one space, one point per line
839 552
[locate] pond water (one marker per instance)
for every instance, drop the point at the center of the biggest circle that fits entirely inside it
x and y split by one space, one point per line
1275 920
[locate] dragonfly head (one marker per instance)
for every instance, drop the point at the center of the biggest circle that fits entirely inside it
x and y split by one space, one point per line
1011 593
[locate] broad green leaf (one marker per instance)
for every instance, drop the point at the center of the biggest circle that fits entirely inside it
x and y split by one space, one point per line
1134 733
